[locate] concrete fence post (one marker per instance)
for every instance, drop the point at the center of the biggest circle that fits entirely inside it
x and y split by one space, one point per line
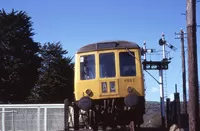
38 118
3 119
45 119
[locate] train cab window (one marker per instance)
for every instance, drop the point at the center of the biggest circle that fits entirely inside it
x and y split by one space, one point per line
127 64
107 65
87 67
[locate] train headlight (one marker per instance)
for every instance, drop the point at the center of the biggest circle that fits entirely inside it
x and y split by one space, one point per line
130 89
89 92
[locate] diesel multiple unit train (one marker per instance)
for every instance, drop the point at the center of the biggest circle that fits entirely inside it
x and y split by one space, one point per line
109 84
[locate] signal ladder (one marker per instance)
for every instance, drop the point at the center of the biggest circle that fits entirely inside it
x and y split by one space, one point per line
165 84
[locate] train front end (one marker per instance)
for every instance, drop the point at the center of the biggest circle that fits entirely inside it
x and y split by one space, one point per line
109 79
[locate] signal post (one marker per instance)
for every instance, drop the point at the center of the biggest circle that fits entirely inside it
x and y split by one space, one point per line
160 66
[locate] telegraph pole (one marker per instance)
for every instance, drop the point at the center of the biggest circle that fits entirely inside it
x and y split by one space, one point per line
183 71
192 66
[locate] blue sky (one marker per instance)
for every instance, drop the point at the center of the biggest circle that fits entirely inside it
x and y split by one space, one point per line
76 22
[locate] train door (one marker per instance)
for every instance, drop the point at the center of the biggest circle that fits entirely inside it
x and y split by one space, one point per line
108 81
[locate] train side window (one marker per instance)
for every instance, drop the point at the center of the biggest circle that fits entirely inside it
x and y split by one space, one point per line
107 65
127 64
87 67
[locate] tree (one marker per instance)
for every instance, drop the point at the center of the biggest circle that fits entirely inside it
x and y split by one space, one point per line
19 60
56 78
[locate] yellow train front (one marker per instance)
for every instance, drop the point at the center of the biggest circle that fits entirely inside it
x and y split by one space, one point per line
109 82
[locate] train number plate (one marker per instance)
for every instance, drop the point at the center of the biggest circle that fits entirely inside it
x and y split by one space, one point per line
129 80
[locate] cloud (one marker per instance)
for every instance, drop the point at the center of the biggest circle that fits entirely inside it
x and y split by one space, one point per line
171 97
154 89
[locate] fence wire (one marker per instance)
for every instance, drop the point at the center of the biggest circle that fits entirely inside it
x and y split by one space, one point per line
32 117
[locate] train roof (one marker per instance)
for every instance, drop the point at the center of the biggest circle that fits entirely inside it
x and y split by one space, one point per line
108 45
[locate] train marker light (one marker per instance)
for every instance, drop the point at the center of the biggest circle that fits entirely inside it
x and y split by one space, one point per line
130 89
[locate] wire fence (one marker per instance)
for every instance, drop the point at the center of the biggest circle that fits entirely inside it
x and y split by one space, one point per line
32 117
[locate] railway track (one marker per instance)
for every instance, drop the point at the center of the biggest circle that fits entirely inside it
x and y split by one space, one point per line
141 129
126 129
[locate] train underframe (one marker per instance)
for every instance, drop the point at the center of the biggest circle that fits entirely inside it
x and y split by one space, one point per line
110 112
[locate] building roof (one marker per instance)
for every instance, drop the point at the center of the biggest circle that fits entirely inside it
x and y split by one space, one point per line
108 45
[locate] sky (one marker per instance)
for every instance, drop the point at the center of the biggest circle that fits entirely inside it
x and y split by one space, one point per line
76 23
